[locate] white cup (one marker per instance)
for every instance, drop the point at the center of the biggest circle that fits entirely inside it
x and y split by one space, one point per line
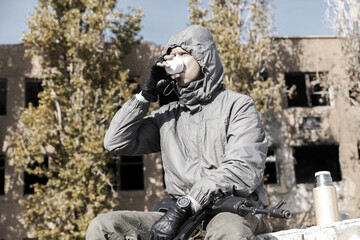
176 65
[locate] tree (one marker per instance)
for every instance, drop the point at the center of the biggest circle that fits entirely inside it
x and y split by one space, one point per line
81 44
242 32
343 17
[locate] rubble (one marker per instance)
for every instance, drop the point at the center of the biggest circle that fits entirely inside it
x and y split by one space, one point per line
342 230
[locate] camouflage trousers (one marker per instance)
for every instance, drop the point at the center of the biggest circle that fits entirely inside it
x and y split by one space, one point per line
134 225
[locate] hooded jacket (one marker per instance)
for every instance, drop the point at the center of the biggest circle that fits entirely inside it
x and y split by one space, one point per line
211 140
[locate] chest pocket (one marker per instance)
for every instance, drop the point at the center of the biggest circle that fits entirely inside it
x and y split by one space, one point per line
205 141
213 142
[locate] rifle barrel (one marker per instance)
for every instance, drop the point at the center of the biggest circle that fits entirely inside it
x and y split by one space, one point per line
278 213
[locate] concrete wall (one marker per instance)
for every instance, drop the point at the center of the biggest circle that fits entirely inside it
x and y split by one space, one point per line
15 69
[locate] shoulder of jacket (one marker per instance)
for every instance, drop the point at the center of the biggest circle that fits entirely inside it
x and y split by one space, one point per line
238 97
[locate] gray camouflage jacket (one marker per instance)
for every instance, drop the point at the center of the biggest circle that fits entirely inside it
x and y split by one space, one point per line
211 140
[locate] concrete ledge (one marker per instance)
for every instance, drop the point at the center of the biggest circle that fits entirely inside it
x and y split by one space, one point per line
344 230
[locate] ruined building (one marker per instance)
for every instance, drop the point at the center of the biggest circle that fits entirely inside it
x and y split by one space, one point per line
319 129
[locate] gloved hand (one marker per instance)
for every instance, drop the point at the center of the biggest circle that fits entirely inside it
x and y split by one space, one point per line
156 73
167 226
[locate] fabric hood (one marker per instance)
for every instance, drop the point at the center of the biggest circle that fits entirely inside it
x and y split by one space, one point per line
198 41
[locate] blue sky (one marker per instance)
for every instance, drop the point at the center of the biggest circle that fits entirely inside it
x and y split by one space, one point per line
166 17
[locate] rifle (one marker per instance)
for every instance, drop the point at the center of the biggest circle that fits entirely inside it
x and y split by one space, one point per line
233 204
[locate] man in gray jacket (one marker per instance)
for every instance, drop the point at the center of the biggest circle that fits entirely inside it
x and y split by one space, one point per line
211 141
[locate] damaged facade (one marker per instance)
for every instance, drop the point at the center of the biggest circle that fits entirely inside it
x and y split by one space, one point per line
318 129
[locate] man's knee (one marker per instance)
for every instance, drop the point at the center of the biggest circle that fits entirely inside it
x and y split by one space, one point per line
229 225
118 224
227 221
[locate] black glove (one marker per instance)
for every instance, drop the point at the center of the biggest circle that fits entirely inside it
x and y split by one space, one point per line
168 225
156 73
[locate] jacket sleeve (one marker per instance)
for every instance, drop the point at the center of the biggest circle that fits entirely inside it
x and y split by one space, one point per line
242 168
131 132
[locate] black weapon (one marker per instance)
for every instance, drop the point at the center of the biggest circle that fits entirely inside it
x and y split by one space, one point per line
238 205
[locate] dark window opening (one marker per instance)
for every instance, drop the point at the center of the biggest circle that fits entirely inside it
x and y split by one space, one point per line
319 95
30 179
3 85
299 97
309 90
311 159
2 174
264 75
129 173
271 168
32 89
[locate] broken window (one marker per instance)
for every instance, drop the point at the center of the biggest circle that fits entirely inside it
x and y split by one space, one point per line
307 89
129 173
3 83
311 159
32 89
2 174
271 168
30 179
311 124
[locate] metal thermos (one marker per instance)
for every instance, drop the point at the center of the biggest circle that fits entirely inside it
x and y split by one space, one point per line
326 208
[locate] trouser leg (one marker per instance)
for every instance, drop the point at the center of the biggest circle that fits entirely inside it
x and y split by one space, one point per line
229 226
122 225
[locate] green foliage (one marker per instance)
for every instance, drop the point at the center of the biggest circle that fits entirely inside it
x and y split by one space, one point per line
242 32
81 44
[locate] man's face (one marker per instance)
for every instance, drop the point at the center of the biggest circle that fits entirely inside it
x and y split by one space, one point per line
192 70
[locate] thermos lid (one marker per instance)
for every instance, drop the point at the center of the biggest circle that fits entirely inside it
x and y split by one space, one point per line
323 178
